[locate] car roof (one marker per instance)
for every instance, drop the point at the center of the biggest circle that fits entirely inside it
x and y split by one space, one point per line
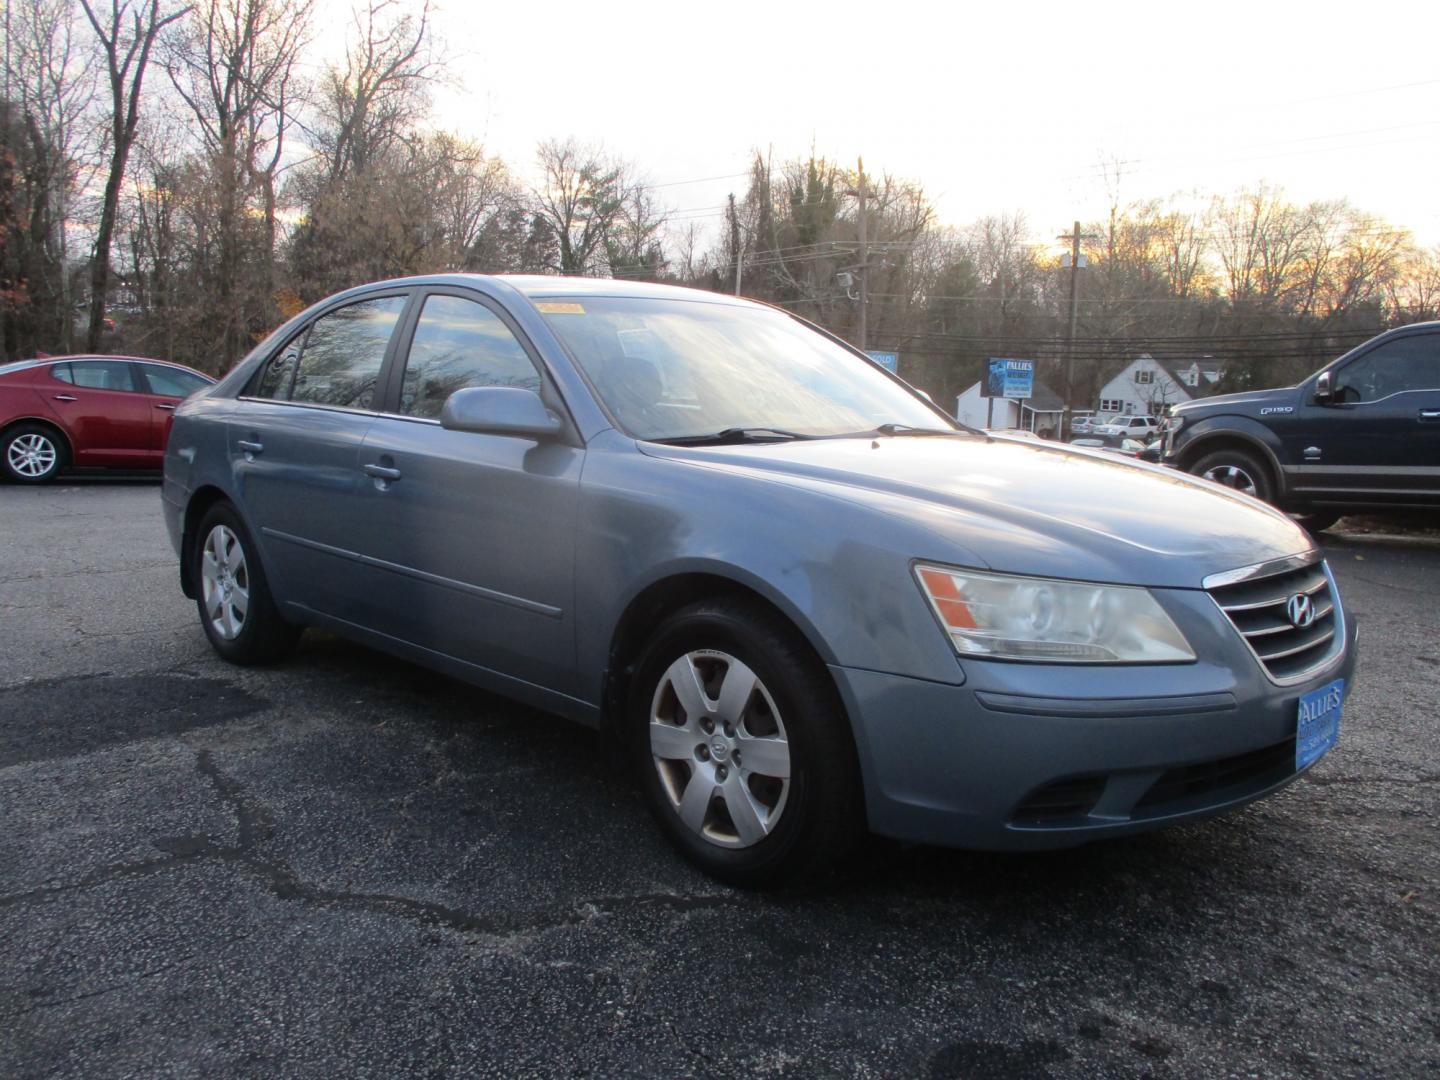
538 285
24 365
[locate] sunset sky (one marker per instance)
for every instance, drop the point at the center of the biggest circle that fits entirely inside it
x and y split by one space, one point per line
992 108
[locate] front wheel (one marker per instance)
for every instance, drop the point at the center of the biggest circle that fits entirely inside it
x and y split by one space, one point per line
743 747
236 609
1236 469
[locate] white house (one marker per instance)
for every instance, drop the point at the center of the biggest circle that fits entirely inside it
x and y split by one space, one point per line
1040 413
1145 386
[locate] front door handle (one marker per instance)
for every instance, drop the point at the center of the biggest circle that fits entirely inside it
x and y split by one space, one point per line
1430 414
380 472
250 447
66 397
167 408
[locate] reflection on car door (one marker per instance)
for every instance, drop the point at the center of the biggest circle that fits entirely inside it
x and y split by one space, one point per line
1382 432
102 408
476 532
295 437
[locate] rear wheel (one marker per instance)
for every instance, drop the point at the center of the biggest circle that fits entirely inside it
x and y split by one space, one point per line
31 454
742 746
236 609
1236 469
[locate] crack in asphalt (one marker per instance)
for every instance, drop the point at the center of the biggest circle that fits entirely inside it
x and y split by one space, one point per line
125 985
255 825
85 573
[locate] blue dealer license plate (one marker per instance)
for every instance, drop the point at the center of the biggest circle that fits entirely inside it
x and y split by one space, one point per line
1317 724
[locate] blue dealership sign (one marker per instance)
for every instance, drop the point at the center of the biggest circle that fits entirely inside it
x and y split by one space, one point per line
888 360
1014 379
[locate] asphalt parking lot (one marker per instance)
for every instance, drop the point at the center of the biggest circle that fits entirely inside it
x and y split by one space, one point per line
346 865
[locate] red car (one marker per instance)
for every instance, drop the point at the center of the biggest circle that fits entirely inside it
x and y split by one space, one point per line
110 411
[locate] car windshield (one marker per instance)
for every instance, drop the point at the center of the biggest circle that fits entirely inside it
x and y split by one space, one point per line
687 370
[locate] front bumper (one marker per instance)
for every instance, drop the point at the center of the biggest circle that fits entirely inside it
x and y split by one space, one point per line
1028 756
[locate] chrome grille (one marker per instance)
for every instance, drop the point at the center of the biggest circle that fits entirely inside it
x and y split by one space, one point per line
1257 602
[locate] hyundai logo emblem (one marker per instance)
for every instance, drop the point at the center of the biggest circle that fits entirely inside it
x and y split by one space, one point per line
1301 611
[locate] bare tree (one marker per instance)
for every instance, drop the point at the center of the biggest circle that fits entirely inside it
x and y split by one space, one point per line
369 101
126 37
233 64
1265 246
1414 293
51 84
635 246
1372 255
582 196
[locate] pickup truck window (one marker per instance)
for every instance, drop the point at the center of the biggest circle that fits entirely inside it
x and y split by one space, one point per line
1408 363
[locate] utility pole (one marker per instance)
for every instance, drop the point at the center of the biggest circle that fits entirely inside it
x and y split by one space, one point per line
1074 238
864 261
735 243
861 269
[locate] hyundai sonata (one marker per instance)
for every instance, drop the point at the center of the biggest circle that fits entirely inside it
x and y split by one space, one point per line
805 599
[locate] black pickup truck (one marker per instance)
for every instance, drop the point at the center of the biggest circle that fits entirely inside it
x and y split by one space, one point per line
1363 433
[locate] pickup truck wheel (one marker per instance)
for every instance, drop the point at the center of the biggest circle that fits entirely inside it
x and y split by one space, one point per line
1236 469
742 746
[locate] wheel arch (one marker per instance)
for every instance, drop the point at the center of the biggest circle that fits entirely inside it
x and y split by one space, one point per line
201 500
660 599
66 446
1208 443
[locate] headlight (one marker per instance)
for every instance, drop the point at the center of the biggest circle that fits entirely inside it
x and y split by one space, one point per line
1020 618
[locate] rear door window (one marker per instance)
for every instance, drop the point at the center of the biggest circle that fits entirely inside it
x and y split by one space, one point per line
172 382
276 377
340 360
343 354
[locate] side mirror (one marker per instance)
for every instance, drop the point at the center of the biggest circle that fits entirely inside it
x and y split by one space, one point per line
499 410
1324 389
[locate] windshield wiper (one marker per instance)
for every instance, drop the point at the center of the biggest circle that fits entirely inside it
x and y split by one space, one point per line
908 431
735 435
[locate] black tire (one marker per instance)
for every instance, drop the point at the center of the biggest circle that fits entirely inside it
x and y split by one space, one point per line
1238 469
816 814
260 635
1316 520
32 454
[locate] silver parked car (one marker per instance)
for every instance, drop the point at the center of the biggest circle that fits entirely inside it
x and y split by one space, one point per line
805 600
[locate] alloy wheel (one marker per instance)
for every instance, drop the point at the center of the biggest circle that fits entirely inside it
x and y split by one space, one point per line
1232 476
31 455
719 745
225 579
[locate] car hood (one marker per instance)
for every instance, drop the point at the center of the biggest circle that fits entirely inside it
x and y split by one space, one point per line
1028 507
1240 402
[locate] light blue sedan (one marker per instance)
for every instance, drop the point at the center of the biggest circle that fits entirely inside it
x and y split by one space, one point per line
805 600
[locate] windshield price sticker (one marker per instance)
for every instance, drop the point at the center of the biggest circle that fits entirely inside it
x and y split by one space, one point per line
1317 725
551 307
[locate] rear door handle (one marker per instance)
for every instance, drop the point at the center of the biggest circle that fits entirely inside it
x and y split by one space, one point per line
66 397
250 447
167 408
380 472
